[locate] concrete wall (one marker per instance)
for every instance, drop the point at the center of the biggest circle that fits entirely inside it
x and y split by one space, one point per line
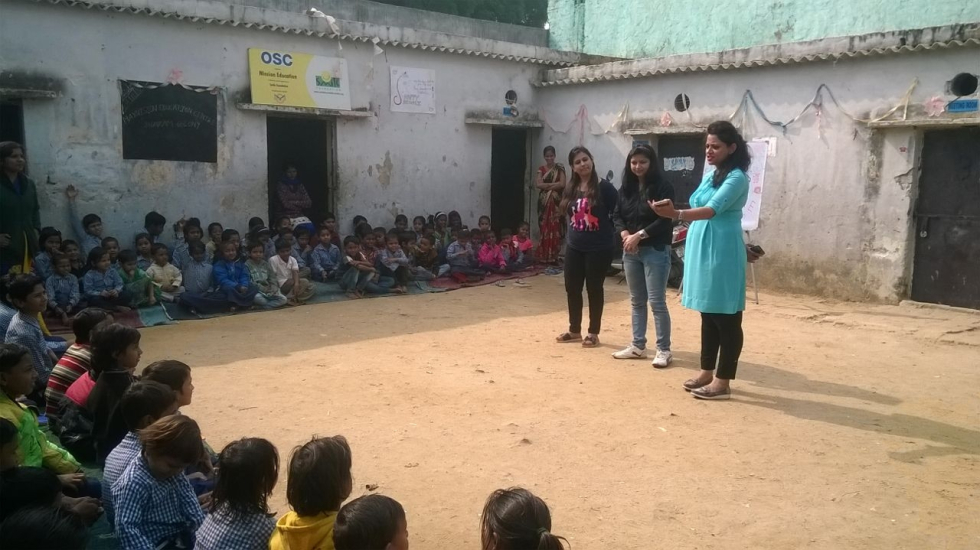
436 162
837 200
630 28
384 14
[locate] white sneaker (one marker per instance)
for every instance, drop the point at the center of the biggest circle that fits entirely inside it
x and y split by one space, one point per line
632 352
663 359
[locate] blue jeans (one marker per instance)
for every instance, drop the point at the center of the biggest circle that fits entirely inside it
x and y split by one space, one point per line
646 274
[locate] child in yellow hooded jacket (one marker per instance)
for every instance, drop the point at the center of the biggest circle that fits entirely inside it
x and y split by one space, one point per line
319 482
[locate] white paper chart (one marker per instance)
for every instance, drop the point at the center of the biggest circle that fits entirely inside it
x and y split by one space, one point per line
413 90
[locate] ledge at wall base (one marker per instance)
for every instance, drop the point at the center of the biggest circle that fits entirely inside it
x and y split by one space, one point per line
941 307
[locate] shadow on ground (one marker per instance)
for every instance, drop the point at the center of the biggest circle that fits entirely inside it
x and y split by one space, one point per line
951 440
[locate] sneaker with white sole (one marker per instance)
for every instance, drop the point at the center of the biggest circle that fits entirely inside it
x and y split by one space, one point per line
663 359
631 352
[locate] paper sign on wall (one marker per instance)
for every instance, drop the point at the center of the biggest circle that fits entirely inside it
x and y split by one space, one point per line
413 90
758 150
678 164
298 79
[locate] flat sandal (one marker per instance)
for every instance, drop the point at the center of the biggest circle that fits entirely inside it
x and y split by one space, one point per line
694 384
712 395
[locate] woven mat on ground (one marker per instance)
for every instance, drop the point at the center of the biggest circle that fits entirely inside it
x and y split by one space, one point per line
166 313
446 283
137 318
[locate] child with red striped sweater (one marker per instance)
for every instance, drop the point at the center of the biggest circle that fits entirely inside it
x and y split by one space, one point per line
76 361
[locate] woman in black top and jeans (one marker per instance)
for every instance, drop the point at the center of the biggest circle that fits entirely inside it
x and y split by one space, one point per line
646 251
589 204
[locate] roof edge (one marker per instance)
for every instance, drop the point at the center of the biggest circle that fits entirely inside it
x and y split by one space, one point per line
864 45
221 13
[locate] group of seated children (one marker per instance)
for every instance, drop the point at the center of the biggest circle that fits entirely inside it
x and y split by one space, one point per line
162 488
377 260
267 268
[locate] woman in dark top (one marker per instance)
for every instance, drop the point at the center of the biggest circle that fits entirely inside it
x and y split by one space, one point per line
589 203
646 251
293 198
20 214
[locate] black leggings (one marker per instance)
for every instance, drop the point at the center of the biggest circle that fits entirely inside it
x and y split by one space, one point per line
588 269
724 331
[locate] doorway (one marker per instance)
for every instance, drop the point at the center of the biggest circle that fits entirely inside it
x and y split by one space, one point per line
946 265
508 170
308 143
682 160
12 120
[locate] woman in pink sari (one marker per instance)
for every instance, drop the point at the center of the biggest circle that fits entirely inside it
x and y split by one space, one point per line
550 182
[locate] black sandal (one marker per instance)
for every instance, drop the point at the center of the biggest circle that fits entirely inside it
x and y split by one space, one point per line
568 338
590 341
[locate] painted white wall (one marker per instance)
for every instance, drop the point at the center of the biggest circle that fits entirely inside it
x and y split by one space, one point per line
436 161
837 200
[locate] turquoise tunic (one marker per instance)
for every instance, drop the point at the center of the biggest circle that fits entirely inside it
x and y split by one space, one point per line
714 254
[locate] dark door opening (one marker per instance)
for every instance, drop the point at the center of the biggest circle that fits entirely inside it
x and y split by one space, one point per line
946 266
682 162
307 143
508 167
12 120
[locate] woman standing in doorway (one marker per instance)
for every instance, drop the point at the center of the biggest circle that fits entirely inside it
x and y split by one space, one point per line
715 257
293 198
646 251
589 203
20 214
550 182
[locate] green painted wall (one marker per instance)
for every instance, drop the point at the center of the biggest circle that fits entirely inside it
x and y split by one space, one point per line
654 28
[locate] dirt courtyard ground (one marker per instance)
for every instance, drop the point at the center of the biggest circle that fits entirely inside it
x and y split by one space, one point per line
852 425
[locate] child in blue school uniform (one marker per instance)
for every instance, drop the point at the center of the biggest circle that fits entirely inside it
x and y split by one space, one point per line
153 224
239 516
154 502
50 244
232 279
302 248
111 246
103 285
88 229
325 257
144 251
192 233
71 249
64 296
199 295
260 234
176 375
461 256
142 404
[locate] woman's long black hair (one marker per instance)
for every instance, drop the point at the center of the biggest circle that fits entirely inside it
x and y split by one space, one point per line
653 179
727 133
571 187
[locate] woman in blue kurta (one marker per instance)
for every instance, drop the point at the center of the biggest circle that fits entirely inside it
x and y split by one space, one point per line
715 257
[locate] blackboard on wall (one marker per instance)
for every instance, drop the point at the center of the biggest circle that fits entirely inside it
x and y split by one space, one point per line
168 122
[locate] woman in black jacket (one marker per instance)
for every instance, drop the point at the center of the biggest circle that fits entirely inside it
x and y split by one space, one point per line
646 251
